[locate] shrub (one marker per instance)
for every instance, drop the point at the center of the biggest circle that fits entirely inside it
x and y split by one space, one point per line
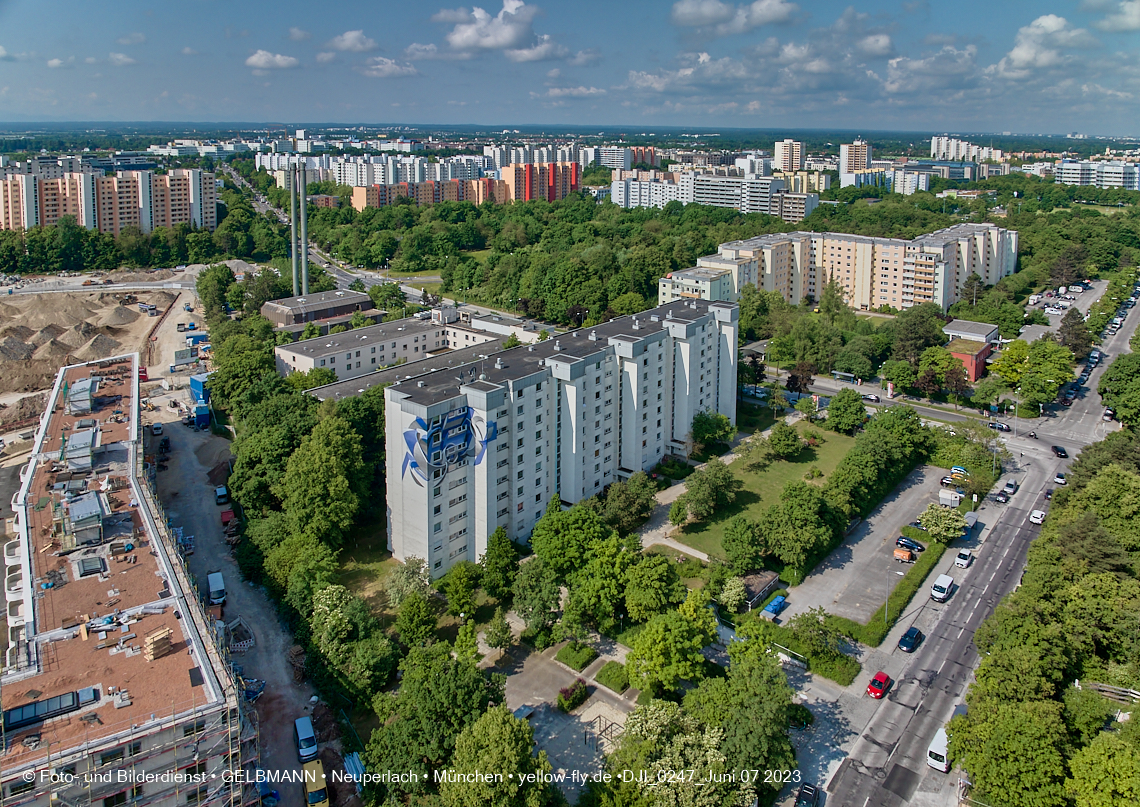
813 473
573 696
538 639
689 568
613 676
673 468
799 716
915 534
577 655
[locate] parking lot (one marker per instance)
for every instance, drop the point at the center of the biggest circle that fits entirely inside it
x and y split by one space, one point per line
853 581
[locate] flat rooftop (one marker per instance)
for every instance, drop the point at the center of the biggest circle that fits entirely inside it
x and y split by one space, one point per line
357 337
320 300
94 588
697 273
967 328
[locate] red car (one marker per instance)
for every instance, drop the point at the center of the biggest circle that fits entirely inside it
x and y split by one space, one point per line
879 685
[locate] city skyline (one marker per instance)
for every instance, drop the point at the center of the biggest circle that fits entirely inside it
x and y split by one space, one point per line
768 64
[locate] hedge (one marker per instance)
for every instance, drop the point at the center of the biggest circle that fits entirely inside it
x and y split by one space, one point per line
573 696
876 629
613 676
577 655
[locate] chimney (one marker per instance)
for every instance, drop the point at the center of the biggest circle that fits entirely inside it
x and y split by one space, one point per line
292 174
305 229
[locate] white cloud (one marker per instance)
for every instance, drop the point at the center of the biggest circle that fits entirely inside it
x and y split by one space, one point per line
5 56
264 60
478 30
325 57
543 50
353 42
55 64
584 57
876 45
298 34
132 39
120 59
91 60
724 18
1127 18
189 51
553 73
382 67
1039 46
430 51
949 68
451 15
574 92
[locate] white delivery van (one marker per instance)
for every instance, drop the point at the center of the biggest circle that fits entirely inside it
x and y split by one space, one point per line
940 591
216 587
938 755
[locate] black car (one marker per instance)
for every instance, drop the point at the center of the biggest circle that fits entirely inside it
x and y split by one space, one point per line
1060 453
907 543
910 640
808 796
1049 494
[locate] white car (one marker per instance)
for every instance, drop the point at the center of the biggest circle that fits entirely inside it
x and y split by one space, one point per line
1037 517
963 558
156 429
1059 479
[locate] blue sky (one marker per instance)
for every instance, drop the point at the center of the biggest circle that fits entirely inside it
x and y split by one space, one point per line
920 65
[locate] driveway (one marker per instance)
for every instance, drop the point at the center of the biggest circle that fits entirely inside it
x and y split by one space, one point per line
854 579
188 497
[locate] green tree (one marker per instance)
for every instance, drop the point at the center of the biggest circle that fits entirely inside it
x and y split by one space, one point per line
667 651
972 289
459 586
498 634
744 545
1119 388
679 512
846 412
784 441
416 621
939 360
989 389
815 633
1074 334
1105 773
410 577
1010 363
536 594
310 331
806 407
497 741
942 524
500 565
561 538
511 341
916 329
467 642
652 586
733 594
712 427
322 488
359 320
628 504
709 488
316 377
599 587
899 373
800 526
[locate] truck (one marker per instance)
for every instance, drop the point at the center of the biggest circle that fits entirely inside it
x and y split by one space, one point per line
216 587
1034 299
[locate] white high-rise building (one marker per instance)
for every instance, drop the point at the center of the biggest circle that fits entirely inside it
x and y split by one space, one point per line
789 155
948 148
1100 174
854 157
490 442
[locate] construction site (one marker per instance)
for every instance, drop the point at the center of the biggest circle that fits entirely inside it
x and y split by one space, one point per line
116 684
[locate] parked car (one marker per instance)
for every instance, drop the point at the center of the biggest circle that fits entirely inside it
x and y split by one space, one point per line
156 429
1060 452
946 482
910 640
963 558
807 796
879 685
1059 479
1037 517
1010 486
1001 427
1048 494
1066 401
1002 496
907 543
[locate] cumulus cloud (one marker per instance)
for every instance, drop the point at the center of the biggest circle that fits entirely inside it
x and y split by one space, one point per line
584 57
325 57
876 45
264 60
949 68
1041 45
56 64
120 59
298 34
431 51
353 42
574 92
382 67
542 50
91 60
5 56
189 51
132 39
1126 18
725 18
478 30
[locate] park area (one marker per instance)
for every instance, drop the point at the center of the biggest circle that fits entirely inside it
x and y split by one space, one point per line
762 487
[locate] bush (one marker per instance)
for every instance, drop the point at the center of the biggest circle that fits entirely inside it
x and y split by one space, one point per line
577 655
573 696
915 534
613 676
876 629
690 568
538 639
673 468
813 473
799 716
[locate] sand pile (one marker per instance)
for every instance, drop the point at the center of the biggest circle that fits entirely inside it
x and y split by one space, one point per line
141 277
30 406
52 350
98 348
120 316
46 334
17 332
12 349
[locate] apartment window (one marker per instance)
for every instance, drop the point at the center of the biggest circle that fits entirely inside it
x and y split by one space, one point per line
437 548
114 755
134 793
197 728
457 500
438 527
502 479
438 563
520 444
438 508
502 463
520 411
521 473
21 787
435 491
520 507
503 512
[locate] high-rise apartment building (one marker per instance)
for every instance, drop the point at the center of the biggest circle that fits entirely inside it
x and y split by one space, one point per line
948 148
141 199
789 155
549 181
854 157
752 194
492 437
113 689
1100 174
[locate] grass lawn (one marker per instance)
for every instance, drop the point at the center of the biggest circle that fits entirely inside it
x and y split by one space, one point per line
762 488
363 567
480 255
751 418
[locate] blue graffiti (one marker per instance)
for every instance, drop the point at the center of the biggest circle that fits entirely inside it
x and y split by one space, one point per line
460 434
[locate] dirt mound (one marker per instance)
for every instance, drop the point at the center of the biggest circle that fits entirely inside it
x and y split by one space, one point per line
100 347
118 316
52 349
46 334
141 277
17 332
29 406
12 349
79 334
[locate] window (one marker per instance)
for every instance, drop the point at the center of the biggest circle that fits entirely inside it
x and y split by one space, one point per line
197 728
114 755
521 473
196 796
438 527
520 443
21 787
438 563
503 512
134 793
520 411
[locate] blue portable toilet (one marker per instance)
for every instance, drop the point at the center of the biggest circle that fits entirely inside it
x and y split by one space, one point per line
202 416
198 389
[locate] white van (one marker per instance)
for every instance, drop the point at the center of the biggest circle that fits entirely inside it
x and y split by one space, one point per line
217 588
940 591
938 755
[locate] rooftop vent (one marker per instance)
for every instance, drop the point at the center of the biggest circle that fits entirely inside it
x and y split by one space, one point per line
419 383
482 376
669 314
498 364
636 324
593 336
557 345
530 348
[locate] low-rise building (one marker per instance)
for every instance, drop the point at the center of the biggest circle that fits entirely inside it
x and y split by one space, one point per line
973 356
317 306
697 283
